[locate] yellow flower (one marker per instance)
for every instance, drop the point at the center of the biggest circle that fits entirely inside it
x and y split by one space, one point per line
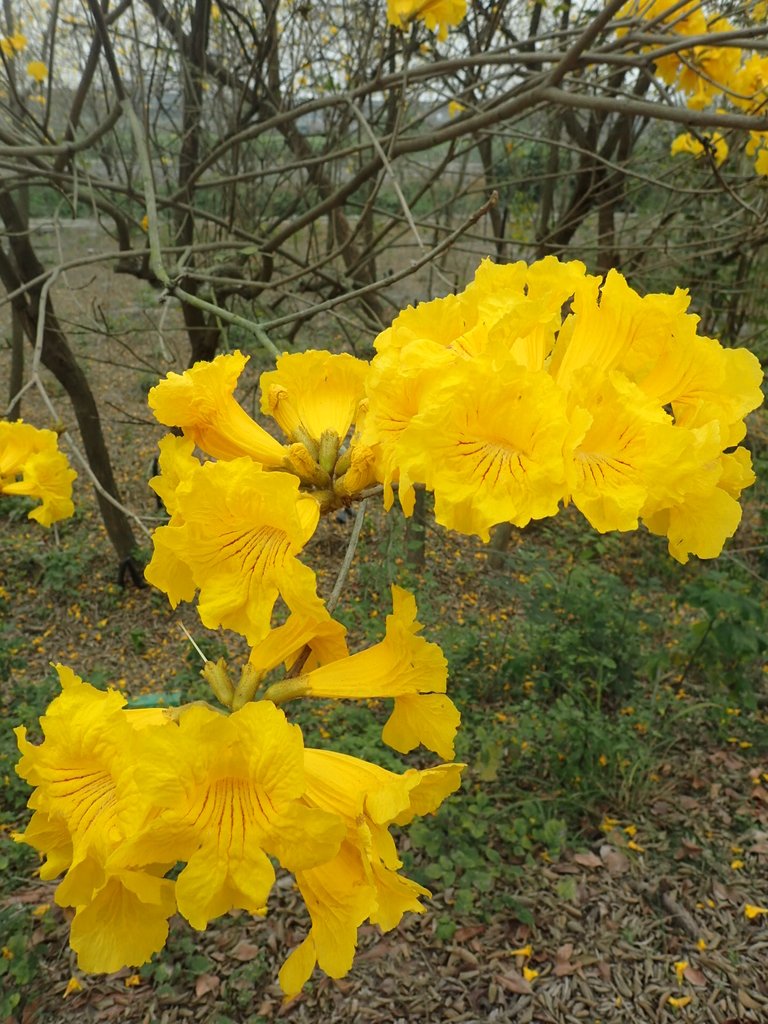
607 824
404 666
312 627
11 45
680 969
228 791
33 456
314 393
442 363
394 398
436 14
361 882
758 147
37 70
490 444
624 454
751 911
707 511
234 535
201 401
86 803
72 986
522 951
679 1002
748 88
177 464
529 974
713 143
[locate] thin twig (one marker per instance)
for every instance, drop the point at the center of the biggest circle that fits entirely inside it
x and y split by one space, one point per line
338 586
383 282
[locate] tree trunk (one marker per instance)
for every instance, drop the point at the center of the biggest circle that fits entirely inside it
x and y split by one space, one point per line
416 531
19 269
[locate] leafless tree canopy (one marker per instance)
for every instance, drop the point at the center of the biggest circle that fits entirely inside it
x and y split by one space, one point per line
279 167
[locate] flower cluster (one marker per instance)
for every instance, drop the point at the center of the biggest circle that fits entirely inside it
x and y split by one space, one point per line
542 385
214 796
13 44
707 73
31 464
123 796
238 524
437 15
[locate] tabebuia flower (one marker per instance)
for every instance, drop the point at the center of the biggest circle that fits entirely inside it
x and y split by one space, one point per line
361 882
124 798
403 666
701 72
541 386
202 402
711 143
227 794
32 465
315 397
314 394
437 15
234 536
87 802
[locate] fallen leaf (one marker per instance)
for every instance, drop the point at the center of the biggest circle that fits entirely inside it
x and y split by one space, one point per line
689 803
746 1000
462 934
616 862
587 860
694 976
245 951
723 893
206 983
379 950
513 982
563 970
688 848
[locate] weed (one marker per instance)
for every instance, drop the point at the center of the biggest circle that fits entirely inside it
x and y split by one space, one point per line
18 960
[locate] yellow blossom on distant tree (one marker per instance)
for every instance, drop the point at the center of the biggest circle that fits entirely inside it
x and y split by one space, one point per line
711 143
32 465
37 70
437 15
